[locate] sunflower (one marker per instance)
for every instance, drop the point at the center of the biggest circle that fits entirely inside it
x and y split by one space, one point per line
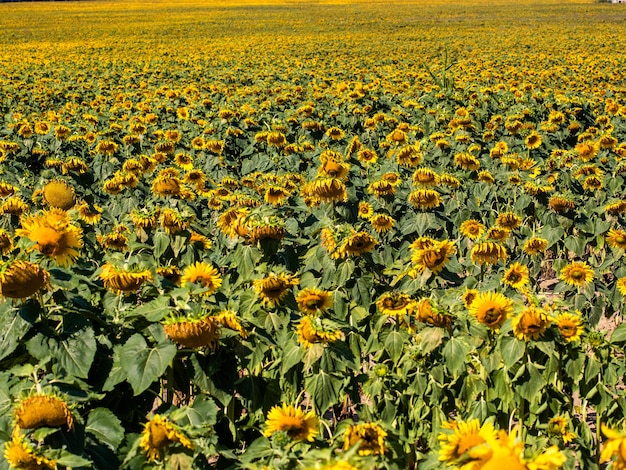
491 309
382 222
334 133
486 177
365 210
228 319
381 188
533 140
313 301
311 330
6 242
425 177
425 198
53 235
617 207
89 214
464 436
334 168
276 195
501 451
107 147
158 435
561 204
116 240
488 253
531 323
467 161
616 238
166 186
22 279
355 245
570 326
39 411
292 421
425 313
472 229
508 221
535 245
621 285
577 273
273 288
370 438
432 256
194 332
516 276
394 303
497 233
468 297
204 275
122 280
171 273
614 446
367 156
173 221
328 190
409 156
59 194
557 427
20 455
14 206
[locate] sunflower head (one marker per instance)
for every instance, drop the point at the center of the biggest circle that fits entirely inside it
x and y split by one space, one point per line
158 435
21 455
294 422
21 279
273 288
123 280
516 276
194 332
577 273
531 323
460 437
313 301
370 438
41 410
59 194
204 275
491 309
312 330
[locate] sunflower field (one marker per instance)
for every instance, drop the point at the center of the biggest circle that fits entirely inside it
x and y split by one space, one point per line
345 235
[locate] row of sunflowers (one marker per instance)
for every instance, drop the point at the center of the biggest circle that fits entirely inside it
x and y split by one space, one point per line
270 237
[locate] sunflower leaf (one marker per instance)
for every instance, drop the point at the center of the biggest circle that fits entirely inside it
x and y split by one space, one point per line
105 427
143 364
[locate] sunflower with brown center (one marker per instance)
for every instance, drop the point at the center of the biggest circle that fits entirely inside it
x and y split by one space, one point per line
516 276
472 229
273 288
433 257
491 309
488 253
577 273
294 422
355 245
21 279
394 303
313 301
571 326
370 438
530 324
616 238
425 199
311 330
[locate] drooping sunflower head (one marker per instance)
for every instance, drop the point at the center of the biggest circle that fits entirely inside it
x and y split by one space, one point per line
313 330
434 257
123 280
6 242
616 238
59 194
21 279
194 332
382 222
313 301
530 324
43 410
394 303
293 421
428 313
425 199
491 309
577 273
203 275
488 253
159 434
356 244
370 438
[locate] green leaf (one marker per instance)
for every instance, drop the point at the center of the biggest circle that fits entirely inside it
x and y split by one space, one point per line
105 426
393 342
76 353
14 327
532 385
455 352
512 350
143 364
292 355
430 339
161 241
324 389
153 311
619 334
